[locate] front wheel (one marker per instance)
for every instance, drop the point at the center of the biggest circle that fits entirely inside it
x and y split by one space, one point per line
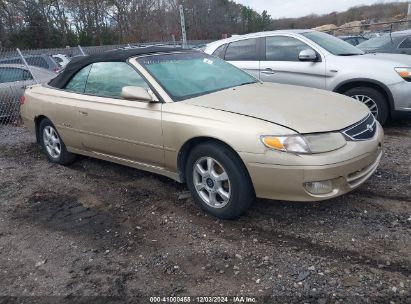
373 99
53 145
218 181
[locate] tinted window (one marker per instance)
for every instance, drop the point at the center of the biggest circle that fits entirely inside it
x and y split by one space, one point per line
352 41
282 48
37 61
244 50
108 79
220 51
333 44
406 44
14 74
175 74
77 84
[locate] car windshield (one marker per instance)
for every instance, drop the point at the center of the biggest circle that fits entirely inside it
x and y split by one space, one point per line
333 44
187 75
376 42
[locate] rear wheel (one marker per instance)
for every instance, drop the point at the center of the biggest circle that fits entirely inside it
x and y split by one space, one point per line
53 145
219 181
373 99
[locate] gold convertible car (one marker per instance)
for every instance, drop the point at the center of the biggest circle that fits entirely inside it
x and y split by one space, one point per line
202 121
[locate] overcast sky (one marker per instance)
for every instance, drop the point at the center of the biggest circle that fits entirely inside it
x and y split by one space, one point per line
298 8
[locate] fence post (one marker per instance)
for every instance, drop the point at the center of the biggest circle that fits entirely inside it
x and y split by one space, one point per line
81 50
409 14
183 27
27 66
173 39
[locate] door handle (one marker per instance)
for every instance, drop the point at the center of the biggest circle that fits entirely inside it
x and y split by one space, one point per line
268 71
83 113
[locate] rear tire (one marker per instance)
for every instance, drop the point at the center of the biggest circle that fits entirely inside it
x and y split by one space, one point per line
373 99
219 181
53 145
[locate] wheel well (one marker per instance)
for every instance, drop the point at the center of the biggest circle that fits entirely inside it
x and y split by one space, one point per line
355 84
37 121
190 144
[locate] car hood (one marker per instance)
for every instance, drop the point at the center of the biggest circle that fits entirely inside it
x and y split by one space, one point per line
304 110
395 60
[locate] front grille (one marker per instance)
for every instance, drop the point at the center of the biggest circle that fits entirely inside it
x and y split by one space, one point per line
362 130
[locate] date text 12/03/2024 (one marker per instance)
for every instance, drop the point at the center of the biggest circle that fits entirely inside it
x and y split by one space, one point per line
203 299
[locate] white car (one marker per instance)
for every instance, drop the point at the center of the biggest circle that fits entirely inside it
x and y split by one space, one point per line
318 60
61 59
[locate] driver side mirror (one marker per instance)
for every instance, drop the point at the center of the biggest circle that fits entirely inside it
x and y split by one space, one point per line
308 55
136 94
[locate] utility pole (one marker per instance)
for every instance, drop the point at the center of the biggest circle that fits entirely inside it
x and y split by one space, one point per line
409 14
27 66
183 27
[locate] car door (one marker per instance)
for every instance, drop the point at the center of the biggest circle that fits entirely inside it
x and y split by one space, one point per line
244 54
282 64
115 127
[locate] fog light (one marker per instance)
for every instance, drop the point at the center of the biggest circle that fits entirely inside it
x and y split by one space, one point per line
322 187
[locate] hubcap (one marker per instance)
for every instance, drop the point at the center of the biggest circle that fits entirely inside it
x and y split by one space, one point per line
369 102
211 182
52 142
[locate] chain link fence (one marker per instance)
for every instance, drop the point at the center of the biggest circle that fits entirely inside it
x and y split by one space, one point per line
21 68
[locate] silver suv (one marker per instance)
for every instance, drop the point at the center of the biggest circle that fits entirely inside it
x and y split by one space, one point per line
315 59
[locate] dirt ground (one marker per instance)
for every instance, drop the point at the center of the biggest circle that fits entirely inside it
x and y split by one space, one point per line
100 229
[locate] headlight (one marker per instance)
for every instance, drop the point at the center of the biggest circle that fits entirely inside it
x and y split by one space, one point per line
305 144
405 73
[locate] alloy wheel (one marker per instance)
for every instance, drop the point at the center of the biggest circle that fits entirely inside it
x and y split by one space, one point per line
211 182
52 142
369 102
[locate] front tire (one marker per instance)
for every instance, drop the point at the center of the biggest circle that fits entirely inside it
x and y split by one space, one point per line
219 181
373 99
53 145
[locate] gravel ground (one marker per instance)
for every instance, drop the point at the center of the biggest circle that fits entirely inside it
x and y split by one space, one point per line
100 229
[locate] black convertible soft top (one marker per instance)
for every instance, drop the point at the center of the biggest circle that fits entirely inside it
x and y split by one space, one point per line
121 55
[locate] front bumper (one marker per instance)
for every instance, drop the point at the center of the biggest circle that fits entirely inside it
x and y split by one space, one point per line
274 178
401 93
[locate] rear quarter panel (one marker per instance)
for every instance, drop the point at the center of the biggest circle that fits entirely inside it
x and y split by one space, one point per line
60 107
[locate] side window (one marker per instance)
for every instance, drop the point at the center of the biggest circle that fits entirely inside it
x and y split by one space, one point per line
27 75
352 41
405 44
77 84
283 48
108 79
243 50
37 61
220 51
13 74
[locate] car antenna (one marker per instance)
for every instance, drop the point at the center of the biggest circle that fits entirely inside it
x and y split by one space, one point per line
392 42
